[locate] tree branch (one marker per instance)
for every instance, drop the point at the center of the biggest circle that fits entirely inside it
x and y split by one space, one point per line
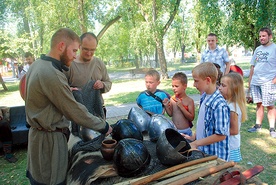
107 26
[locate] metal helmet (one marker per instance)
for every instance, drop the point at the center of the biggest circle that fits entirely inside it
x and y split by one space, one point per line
131 157
140 118
125 128
158 124
172 148
87 134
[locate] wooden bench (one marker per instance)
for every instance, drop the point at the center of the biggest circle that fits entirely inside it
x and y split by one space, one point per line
136 71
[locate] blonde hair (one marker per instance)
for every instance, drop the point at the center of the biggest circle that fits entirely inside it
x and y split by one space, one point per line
236 92
153 73
206 69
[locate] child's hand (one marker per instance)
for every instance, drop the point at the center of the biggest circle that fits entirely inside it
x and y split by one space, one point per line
193 145
190 138
166 101
178 102
249 100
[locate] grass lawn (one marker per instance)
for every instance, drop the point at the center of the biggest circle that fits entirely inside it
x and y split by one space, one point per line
257 148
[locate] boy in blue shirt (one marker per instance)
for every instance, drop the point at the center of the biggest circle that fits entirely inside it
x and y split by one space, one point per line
213 123
151 99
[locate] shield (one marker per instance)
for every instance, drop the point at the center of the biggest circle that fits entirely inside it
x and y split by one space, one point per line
22 87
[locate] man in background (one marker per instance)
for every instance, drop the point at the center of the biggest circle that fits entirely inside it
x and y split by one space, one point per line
29 58
262 81
6 136
216 54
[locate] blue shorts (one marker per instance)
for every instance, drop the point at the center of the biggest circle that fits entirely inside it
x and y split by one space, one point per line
265 93
186 131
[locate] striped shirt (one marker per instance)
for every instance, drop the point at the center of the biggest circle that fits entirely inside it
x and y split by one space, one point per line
218 56
217 121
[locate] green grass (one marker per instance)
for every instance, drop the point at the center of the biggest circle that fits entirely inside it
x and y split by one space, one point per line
12 87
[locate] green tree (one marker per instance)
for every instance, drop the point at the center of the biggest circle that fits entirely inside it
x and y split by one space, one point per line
208 17
178 38
245 18
158 14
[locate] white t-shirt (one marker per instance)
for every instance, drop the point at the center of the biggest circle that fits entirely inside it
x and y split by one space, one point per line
235 140
200 126
264 60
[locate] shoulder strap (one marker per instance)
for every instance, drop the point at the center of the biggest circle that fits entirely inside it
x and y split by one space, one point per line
154 96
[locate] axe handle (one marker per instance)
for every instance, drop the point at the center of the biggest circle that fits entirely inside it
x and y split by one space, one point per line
157 175
203 173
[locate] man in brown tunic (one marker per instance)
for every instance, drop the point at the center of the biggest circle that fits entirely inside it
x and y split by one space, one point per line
49 104
87 67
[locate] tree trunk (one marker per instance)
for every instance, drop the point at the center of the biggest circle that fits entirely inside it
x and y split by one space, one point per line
183 53
3 83
82 16
162 59
141 58
136 62
156 59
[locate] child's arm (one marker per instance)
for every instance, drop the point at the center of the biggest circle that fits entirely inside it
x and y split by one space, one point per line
190 113
207 141
234 126
191 138
167 106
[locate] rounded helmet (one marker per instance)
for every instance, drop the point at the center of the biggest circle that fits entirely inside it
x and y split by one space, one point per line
140 118
125 128
172 148
158 124
87 134
130 157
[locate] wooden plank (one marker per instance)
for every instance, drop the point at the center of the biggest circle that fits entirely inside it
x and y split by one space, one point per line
201 173
162 173
177 172
185 175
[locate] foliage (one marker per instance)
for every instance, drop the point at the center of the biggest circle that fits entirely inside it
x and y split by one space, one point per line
245 18
134 31
178 39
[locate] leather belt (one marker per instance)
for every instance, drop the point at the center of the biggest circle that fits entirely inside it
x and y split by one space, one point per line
63 130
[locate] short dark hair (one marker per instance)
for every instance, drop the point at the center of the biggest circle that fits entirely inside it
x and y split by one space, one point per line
212 35
267 30
88 33
180 76
28 54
